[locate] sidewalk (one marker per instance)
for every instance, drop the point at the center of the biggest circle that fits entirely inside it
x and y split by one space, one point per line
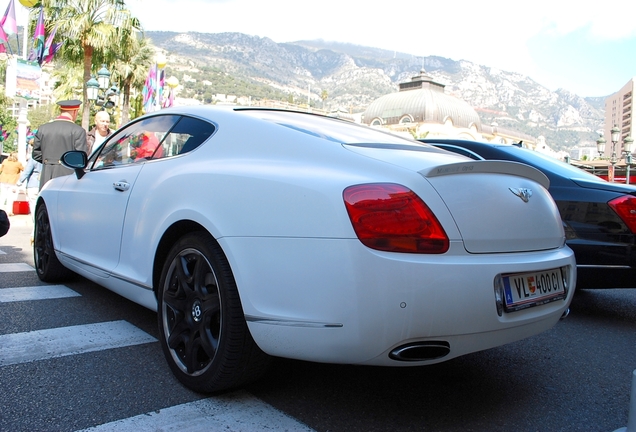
16 246
21 220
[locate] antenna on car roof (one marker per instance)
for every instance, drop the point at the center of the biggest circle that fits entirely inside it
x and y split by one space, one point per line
519 144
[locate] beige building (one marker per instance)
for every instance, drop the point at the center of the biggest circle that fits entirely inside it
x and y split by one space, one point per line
421 108
619 112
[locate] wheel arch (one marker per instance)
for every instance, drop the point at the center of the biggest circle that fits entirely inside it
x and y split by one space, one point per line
234 359
38 203
169 238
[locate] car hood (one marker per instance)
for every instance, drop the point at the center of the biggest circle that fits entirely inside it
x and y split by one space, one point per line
497 206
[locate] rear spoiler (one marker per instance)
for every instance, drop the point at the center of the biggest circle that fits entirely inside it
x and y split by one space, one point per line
489 166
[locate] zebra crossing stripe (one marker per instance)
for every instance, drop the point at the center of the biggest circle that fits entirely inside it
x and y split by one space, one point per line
237 412
15 267
64 341
8 295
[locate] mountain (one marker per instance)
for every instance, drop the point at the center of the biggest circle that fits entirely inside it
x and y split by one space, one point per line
352 76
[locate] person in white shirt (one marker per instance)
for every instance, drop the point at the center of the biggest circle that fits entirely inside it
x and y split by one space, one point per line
100 132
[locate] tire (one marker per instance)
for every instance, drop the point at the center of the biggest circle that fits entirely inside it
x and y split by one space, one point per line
202 327
48 267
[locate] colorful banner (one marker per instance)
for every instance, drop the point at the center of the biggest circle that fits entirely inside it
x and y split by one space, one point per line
23 79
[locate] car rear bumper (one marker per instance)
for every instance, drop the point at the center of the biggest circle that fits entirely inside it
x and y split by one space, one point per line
337 301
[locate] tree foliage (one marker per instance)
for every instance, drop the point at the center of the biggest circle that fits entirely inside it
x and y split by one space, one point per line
40 115
130 68
91 30
8 124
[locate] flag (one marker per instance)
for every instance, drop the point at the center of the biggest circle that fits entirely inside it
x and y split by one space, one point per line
52 51
3 37
159 86
38 38
8 21
3 133
30 134
162 78
148 91
50 48
170 101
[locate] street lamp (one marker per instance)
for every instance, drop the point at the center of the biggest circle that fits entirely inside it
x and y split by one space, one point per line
110 95
494 127
615 134
172 82
600 146
103 77
627 148
92 88
161 62
25 34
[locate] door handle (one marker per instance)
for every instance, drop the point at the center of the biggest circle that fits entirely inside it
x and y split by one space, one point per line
121 185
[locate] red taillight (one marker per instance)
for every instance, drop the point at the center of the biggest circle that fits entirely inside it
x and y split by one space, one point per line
625 207
391 217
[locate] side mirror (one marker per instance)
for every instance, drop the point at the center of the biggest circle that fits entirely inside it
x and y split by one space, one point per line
75 160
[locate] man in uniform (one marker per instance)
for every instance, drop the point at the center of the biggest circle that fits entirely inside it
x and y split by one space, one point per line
55 138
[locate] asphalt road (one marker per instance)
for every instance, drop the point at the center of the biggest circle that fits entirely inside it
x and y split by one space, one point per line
574 377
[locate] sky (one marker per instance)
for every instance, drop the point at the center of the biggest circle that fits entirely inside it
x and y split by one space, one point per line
584 46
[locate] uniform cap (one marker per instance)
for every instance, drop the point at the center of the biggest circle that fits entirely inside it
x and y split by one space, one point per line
72 104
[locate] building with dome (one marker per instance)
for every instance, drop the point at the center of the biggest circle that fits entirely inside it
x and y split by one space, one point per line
421 108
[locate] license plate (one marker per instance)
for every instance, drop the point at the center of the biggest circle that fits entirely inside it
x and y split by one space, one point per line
524 290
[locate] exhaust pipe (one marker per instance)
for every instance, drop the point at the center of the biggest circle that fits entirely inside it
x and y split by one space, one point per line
420 351
565 314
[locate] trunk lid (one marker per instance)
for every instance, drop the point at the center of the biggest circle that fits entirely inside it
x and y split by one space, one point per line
497 206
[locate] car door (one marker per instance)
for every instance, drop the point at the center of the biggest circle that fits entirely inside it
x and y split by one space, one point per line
90 215
91 210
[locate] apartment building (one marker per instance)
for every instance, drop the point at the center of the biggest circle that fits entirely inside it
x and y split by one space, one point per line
619 109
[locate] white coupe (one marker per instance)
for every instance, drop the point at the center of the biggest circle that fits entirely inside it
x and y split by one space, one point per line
256 233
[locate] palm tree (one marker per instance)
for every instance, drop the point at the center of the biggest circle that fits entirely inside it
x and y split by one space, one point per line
134 55
69 80
88 28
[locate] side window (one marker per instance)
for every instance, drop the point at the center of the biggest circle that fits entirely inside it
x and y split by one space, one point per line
152 138
138 142
188 134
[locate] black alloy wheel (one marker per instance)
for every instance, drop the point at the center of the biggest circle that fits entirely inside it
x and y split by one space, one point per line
48 267
202 327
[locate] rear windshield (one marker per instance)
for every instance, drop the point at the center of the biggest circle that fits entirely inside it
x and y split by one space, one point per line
542 161
332 129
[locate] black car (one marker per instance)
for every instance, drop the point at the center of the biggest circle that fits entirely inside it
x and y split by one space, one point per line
599 217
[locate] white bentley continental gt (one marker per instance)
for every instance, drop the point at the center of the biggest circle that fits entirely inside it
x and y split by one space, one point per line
256 233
